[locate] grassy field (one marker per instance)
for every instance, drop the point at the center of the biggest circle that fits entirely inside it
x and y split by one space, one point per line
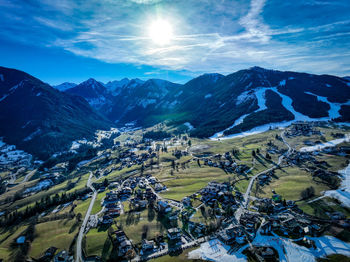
82 206
8 236
135 223
97 205
98 243
290 182
188 181
321 207
181 258
244 144
58 233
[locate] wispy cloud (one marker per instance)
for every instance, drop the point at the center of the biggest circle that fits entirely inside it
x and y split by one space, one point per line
209 35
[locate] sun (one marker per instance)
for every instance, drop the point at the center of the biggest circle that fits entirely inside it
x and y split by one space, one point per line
161 32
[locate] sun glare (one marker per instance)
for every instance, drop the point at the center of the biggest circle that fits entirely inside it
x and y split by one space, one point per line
161 32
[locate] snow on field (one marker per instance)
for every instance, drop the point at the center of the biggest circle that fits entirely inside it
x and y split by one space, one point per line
9 155
221 133
44 184
75 145
253 131
343 192
321 146
215 250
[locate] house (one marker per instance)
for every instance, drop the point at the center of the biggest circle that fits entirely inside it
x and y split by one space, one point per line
107 220
277 198
123 247
174 233
147 246
186 201
197 229
233 234
159 187
63 257
163 207
119 236
113 211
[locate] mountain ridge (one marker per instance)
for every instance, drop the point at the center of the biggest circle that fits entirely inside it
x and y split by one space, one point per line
212 103
40 119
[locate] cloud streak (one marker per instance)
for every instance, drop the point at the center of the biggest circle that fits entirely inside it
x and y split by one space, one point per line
210 35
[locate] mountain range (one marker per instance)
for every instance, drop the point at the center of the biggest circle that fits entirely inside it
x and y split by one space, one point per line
211 104
40 119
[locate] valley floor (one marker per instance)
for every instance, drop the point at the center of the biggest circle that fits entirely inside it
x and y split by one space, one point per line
158 186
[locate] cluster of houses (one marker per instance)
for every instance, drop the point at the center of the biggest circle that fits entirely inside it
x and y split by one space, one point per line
233 235
272 148
302 129
221 193
265 179
227 163
179 153
139 198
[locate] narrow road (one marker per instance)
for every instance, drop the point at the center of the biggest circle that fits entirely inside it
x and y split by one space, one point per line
251 182
79 257
26 178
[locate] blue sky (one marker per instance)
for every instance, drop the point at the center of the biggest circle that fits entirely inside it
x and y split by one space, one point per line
72 40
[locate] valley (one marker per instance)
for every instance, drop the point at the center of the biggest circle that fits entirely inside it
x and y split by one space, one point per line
147 198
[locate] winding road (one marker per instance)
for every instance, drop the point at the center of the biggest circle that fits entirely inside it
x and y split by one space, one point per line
245 202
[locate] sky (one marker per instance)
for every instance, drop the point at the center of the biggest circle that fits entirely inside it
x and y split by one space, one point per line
73 40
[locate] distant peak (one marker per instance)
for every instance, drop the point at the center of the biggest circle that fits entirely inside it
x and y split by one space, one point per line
258 69
90 80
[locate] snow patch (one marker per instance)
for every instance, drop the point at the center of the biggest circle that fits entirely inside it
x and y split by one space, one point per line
328 85
215 250
331 143
221 133
283 83
260 95
245 96
9 155
334 107
291 78
188 124
45 184
38 94
208 96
